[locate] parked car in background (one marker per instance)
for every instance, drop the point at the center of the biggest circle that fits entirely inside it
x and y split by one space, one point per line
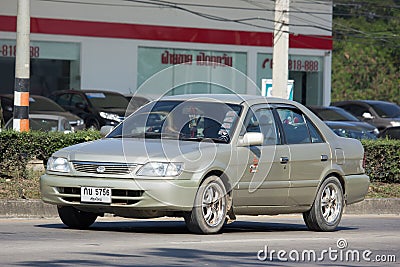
344 123
40 105
207 158
96 107
381 114
345 129
46 123
391 133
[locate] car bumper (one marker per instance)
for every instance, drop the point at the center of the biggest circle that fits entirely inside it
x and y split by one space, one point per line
151 194
356 187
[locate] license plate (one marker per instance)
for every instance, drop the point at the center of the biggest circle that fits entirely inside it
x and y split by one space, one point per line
96 194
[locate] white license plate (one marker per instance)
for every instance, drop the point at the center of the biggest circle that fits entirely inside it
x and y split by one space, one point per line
96 194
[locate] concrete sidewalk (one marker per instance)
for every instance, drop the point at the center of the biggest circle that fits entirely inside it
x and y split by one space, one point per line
38 209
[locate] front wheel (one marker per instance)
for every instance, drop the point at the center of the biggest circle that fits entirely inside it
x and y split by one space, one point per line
210 207
326 212
75 218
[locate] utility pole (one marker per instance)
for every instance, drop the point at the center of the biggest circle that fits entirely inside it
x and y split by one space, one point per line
280 72
22 62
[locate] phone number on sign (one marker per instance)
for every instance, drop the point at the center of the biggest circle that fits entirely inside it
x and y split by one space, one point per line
300 65
296 65
11 51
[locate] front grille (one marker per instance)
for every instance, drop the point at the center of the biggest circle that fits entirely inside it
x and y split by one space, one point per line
118 196
103 167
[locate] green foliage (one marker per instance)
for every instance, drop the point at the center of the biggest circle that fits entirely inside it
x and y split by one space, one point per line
17 149
366 50
382 160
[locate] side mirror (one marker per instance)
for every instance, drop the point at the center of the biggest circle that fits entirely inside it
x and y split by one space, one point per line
105 130
367 115
251 139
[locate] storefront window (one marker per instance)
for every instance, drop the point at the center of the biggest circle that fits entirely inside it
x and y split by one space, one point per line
306 71
53 66
179 71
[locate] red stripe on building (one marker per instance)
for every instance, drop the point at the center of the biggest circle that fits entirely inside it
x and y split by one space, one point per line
162 33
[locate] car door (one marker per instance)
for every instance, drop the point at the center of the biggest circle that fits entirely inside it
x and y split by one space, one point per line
265 173
310 155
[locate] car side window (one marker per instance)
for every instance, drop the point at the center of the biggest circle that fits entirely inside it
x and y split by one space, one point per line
315 134
262 121
356 110
77 99
297 128
63 99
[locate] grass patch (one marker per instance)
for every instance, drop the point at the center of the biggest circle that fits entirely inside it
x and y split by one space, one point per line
383 190
22 187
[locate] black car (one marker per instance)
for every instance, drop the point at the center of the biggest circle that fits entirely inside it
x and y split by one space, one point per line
338 118
40 105
96 107
390 133
381 114
349 130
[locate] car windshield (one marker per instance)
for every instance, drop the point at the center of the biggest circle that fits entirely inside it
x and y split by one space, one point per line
107 100
183 120
387 110
44 104
334 114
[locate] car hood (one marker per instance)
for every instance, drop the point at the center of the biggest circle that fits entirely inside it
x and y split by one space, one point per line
364 125
358 125
138 151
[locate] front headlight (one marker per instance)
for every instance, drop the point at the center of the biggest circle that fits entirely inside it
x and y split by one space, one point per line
79 122
395 123
160 169
110 116
58 165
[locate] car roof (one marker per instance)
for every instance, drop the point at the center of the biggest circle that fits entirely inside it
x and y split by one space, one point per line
87 91
366 101
313 107
227 98
45 116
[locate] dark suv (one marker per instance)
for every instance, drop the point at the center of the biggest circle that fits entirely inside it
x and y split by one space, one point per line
96 107
381 114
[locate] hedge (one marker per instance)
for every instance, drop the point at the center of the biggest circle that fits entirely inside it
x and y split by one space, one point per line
17 149
382 160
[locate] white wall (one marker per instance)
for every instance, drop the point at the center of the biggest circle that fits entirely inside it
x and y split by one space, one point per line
112 63
313 13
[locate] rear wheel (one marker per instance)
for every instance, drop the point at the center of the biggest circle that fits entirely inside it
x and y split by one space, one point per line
92 124
326 212
210 207
75 218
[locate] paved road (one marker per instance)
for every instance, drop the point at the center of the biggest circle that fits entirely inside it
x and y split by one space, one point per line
122 242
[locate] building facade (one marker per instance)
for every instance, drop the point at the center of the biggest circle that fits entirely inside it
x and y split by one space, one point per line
157 47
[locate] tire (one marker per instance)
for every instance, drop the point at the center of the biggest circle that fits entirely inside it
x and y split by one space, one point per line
210 207
92 124
326 212
75 218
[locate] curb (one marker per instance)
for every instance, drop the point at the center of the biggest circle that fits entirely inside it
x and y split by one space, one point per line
375 206
39 209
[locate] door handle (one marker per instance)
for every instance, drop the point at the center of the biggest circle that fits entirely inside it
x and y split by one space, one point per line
324 157
284 160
